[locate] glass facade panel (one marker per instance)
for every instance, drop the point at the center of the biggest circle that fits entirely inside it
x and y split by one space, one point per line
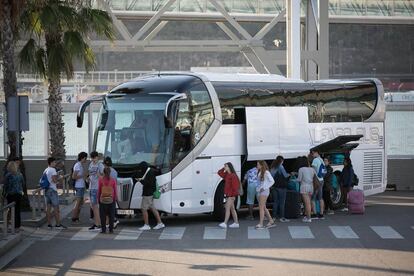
34 139
399 131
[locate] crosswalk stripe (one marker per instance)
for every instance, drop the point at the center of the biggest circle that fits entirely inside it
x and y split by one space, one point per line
257 234
386 232
172 233
300 232
214 233
343 232
128 234
44 234
84 234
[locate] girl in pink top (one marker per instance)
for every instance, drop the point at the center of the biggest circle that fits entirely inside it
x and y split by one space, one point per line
107 197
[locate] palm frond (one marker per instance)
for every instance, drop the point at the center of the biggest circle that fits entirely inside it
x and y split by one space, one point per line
97 21
32 57
58 60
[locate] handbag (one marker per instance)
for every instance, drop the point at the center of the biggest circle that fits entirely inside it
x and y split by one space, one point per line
157 193
315 182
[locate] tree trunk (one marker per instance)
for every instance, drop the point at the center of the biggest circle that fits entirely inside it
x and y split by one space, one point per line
9 70
56 125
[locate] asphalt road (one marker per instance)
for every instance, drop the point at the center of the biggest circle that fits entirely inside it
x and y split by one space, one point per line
380 242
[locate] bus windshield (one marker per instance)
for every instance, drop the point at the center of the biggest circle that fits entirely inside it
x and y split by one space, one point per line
131 129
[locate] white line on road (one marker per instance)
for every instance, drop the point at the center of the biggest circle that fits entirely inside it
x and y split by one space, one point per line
386 232
172 233
44 234
84 235
343 232
257 234
300 232
128 234
214 233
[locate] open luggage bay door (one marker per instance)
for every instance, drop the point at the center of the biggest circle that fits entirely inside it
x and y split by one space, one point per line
273 131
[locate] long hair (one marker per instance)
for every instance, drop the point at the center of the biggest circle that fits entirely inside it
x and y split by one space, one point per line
348 162
231 167
263 169
302 161
12 167
107 173
276 163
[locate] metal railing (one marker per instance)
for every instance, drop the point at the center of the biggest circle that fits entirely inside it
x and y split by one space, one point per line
66 186
5 210
37 203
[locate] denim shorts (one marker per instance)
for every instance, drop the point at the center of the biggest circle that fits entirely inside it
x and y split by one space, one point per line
317 195
80 192
93 194
52 197
251 194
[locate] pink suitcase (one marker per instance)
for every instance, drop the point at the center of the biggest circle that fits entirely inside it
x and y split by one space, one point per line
356 202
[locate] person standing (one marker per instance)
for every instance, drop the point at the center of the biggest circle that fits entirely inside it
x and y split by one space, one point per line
51 195
13 188
252 182
279 190
346 180
79 176
327 186
148 181
263 190
107 196
231 191
319 167
95 171
107 162
305 178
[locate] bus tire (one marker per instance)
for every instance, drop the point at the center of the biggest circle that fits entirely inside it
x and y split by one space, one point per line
219 211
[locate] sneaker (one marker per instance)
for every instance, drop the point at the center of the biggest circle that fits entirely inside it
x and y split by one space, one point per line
345 209
314 216
330 212
94 228
234 225
116 222
61 227
223 225
284 220
320 216
305 219
159 226
49 226
146 227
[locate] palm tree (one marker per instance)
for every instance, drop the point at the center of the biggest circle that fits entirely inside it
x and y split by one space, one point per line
58 33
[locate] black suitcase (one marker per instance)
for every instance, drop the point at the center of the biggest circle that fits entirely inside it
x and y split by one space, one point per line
292 205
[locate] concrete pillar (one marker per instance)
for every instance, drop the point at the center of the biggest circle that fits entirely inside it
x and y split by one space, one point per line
293 38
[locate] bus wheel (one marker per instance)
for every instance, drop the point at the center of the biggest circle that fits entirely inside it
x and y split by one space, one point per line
219 211
337 197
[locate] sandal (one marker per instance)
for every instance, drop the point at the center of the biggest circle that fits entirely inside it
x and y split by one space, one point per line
271 224
259 226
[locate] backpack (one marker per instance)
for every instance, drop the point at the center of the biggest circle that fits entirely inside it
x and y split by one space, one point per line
280 180
355 180
322 171
106 194
44 182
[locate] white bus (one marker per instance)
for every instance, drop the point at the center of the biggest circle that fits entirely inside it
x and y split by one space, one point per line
188 125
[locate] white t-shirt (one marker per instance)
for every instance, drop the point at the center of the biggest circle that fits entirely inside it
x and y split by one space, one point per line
78 170
49 173
316 164
305 176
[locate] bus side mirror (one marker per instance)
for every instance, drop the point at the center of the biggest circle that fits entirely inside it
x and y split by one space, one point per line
168 114
84 105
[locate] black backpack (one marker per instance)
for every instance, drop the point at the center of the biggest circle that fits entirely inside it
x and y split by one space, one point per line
280 180
355 180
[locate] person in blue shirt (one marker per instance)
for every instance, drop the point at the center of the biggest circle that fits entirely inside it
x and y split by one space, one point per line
252 182
279 189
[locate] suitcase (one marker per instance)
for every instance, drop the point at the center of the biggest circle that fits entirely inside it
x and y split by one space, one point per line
356 202
292 205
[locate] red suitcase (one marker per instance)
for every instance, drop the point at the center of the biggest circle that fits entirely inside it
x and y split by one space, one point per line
356 202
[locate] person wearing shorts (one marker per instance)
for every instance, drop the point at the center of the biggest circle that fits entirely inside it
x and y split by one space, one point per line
263 190
79 177
148 181
318 194
251 179
51 195
95 171
305 178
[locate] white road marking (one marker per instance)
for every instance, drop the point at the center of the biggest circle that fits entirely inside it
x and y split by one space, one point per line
128 234
44 234
300 232
343 232
257 234
386 232
84 235
214 233
172 233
